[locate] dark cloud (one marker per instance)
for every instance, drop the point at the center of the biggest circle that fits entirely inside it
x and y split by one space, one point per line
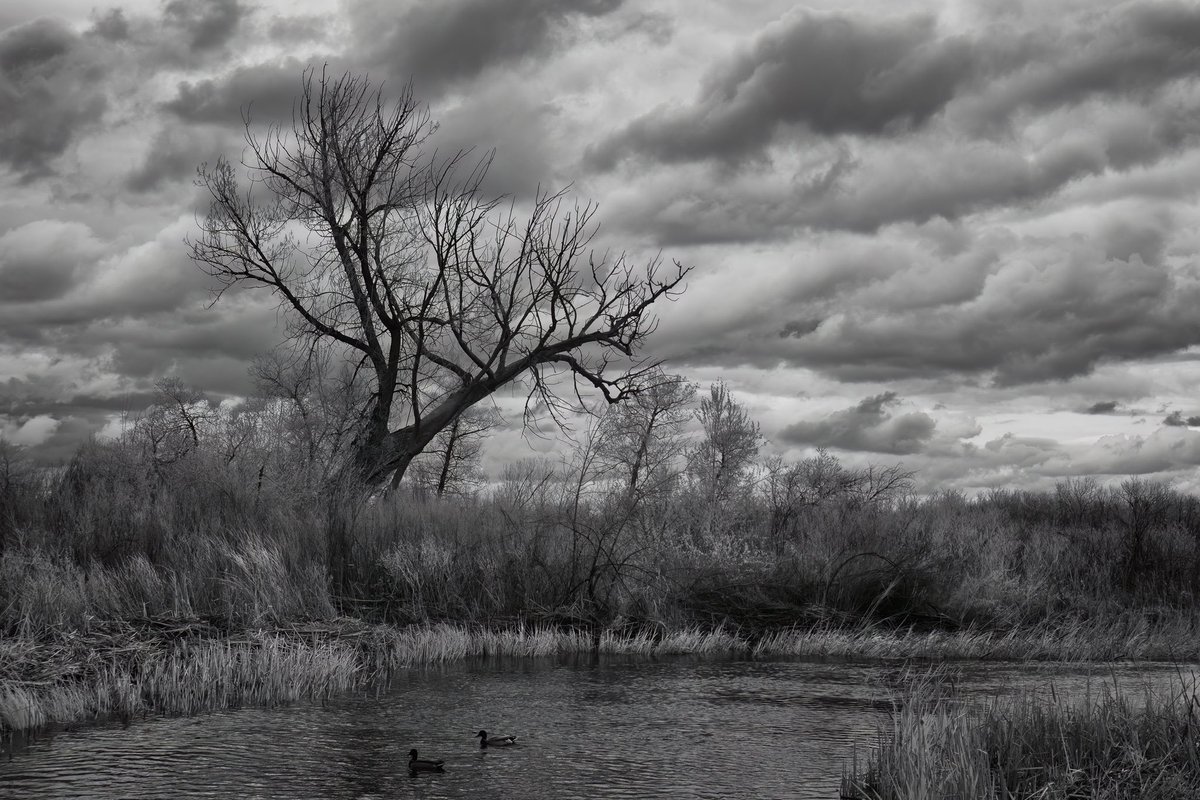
1176 420
1102 407
1009 310
209 25
63 438
866 187
443 43
830 73
512 121
111 25
144 280
43 260
1052 320
266 91
867 426
51 87
867 76
41 401
173 155
1134 50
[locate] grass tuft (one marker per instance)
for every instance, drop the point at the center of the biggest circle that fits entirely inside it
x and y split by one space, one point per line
1107 744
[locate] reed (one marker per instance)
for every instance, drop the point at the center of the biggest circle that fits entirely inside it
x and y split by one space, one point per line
1108 743
1124 637
122 674
171 666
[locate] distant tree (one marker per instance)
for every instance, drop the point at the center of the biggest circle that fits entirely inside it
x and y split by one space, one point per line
450 464
790 487
643 436
435 294
16 487
318 405
173 426
1141 507
720 462
1079 502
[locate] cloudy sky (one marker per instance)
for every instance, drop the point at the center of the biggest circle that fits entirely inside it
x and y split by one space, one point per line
962 235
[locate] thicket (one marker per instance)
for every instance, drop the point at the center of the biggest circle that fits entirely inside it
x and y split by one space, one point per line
194 516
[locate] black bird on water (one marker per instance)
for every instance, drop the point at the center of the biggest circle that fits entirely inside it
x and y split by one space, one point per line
423 765
494 741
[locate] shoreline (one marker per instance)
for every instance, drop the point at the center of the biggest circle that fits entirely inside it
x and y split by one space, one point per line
171 667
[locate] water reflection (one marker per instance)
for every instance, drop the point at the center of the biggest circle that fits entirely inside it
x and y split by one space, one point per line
680 727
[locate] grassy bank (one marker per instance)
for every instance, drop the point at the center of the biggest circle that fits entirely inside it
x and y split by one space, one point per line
173 666
109 539
1107 745
130 586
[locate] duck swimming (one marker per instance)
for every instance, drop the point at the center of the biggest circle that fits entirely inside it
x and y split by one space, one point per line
423 765
495 741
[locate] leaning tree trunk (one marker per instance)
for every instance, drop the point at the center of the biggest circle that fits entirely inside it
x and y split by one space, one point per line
448 458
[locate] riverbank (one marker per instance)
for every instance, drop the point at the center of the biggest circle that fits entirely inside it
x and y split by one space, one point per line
1109 745
126 590
170 666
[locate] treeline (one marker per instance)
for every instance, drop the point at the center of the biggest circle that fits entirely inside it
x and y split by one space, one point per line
236 514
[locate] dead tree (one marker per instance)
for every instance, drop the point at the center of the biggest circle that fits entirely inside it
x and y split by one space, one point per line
438 294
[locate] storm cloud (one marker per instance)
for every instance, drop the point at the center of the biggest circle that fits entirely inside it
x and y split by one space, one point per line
867 426
860 74
52 86
1011 309
829 73
440 44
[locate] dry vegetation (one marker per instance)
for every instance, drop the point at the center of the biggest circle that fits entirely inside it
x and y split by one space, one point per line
129 587
1108 745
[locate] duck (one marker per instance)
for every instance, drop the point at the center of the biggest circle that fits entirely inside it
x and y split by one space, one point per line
494 741
423 765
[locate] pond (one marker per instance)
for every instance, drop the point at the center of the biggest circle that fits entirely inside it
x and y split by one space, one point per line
619 728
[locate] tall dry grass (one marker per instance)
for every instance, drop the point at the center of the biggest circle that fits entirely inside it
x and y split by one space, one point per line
1108 744
537 565
112 538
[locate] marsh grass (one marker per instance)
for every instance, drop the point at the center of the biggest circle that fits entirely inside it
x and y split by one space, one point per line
172 666
1106 744
131 587
1125 637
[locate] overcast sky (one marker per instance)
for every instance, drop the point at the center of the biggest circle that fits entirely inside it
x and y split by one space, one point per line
960 235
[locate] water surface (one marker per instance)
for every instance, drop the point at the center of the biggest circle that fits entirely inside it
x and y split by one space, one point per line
622 728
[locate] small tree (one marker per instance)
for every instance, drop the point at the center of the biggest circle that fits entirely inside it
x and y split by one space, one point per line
450 465
174 425
642 437
1141 507
720 461
318 404
719 465
17 488
436 295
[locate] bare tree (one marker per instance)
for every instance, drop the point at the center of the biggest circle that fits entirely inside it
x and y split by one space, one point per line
790 487
731 441
318 404
605 553
174 425
450 464
1141 506
720 463
17 487
643 437
437 295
